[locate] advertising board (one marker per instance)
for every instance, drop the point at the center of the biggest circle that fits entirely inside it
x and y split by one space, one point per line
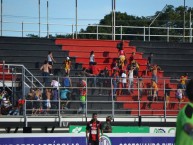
79 139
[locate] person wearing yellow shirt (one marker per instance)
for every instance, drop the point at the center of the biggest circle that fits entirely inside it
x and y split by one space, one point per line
67 65
155 69
154 89
183 80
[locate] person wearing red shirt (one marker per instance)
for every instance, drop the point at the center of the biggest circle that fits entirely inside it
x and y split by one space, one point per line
93 130
132 57
94 71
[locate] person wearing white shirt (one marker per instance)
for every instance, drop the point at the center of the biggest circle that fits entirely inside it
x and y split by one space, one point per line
130 76
92 58
55 84
50 60
124 81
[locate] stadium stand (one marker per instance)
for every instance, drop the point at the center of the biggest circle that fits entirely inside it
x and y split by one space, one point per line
31 52
174 58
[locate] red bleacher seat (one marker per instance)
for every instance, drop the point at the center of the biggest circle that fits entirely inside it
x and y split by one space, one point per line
105 52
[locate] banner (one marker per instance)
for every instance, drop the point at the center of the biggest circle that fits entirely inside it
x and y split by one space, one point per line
115 129
162 130
80 139
49 140
123 129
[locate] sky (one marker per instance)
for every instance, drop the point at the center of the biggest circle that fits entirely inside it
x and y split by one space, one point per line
62 13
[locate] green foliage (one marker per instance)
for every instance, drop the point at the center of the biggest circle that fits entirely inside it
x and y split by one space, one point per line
63 36
172 17
32 36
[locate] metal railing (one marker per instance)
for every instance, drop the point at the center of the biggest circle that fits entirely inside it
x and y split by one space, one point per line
18 76
101 97
23 29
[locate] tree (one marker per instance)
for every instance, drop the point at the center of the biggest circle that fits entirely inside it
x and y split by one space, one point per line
171 17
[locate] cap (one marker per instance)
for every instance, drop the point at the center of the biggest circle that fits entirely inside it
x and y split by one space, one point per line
67 58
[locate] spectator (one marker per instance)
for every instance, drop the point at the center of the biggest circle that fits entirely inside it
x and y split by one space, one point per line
95 72
65 97
86 73
83 92
115 65
48 98
55 84
150 59
121 55
155 71
149 95
37 107
50 61
100 81
31 94
115 80
29 103
14 110
106 80
183 80
45 72
119 90
167 94
135 67
154 90
141 87
106 71
132 58
6 105
67 65
149 64
179 95
124 82
67 83
1 98
106 127
6 102
120 45
130 82
92 58
103 81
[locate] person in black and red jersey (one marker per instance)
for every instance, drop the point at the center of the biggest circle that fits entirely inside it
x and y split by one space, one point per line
93 130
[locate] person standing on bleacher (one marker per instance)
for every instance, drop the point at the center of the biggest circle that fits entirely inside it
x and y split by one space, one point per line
50 61
45 72
82 108
92 58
